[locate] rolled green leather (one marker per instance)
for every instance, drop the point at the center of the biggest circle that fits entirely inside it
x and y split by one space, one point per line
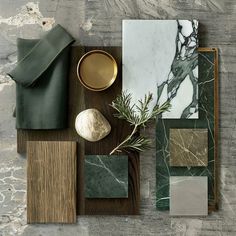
41 77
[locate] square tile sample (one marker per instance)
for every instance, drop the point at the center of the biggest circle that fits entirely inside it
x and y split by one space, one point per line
188 196
188 147
106 176
164 62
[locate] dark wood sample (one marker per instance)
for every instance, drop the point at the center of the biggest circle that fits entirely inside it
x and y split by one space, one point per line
51 182
80 99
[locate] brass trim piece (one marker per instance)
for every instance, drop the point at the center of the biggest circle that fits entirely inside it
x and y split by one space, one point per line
97 70
216 123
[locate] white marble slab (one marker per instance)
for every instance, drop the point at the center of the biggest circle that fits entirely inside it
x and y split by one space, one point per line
160 56
188 196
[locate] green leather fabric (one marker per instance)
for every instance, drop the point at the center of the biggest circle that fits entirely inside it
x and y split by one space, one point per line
41 80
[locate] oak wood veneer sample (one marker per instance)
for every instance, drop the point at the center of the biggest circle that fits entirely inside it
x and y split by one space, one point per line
51 182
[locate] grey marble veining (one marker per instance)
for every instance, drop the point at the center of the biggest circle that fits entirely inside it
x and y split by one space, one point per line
160 57
181 86
99 23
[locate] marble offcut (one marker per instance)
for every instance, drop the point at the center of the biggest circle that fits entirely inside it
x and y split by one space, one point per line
106 176
188 147
160 57
188 196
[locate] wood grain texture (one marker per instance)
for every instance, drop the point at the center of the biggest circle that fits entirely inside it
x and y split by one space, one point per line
80 99
51 182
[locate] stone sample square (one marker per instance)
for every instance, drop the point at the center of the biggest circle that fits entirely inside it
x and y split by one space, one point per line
188 196
188 147
81 99
106 176
160 57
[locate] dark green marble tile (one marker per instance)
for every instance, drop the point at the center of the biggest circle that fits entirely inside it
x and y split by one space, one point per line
106 176
206 120
188 147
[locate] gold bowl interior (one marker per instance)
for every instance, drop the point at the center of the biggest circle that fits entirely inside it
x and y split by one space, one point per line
97 70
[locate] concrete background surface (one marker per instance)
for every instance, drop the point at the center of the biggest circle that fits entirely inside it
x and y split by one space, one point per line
98 22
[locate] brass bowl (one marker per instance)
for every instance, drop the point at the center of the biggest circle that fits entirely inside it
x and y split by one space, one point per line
97 70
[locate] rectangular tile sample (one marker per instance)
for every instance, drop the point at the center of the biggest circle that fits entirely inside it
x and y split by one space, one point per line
106 176
160 56
208 119
188 196
188 147
51 182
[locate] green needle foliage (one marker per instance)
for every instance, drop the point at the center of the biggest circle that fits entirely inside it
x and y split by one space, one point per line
138 116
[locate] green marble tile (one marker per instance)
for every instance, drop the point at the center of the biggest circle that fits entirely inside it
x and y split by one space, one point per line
106 176
188 147
206 121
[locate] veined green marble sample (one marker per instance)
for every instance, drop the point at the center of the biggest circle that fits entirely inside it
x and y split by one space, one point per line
194 200
188 147
206 121
106 176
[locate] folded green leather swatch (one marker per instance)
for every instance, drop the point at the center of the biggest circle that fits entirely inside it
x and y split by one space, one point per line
41 80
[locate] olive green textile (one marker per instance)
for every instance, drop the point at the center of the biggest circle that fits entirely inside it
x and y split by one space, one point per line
41 80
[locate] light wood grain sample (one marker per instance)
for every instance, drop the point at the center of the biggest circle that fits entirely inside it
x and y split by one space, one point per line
51 182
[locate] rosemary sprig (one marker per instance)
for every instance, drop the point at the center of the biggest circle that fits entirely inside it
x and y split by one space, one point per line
137 115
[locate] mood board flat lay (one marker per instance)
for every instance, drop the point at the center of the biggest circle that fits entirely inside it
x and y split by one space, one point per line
81 114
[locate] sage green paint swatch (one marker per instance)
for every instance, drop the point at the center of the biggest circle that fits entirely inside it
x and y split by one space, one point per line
106 176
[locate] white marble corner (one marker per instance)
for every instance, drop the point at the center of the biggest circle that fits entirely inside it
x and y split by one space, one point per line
160 56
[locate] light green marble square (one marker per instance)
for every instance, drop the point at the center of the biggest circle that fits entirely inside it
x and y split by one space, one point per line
106 176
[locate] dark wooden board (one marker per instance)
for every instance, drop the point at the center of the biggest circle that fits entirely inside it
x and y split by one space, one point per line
80 99
51 182
120 129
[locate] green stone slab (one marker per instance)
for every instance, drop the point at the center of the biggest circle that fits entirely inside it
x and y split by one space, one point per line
106 176
206 120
